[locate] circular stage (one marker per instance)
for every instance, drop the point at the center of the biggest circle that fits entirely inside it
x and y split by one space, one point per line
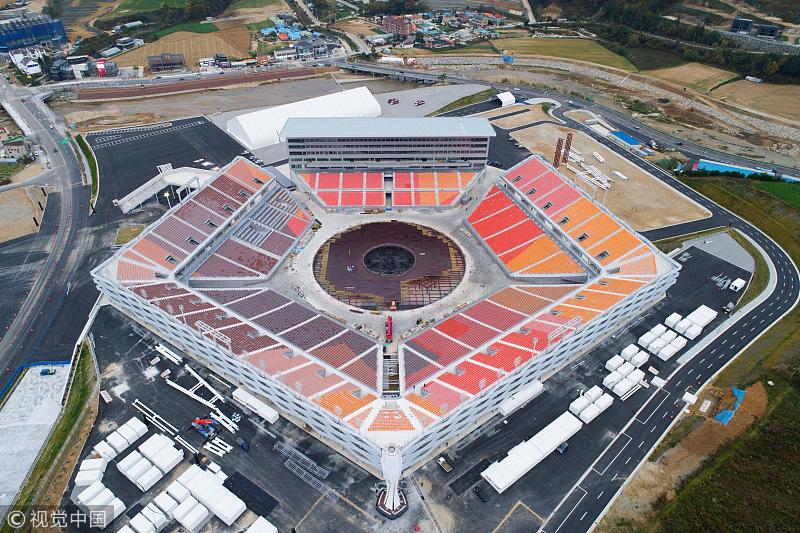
385 265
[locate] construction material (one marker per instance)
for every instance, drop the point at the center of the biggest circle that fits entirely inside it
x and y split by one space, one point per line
521 397
693 332
604 402
579 404
625 369
522 458
255 405
683 325
629 351
155 418
658 330
590 413
640 359
647 339
169 354
593 393
620 174
668 336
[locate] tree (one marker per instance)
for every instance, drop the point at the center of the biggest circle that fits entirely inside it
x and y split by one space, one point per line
53 8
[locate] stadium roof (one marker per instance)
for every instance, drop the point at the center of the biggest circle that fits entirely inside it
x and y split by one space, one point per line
260 128
385 127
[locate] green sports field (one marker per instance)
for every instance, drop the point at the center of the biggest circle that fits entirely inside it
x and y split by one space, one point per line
579 49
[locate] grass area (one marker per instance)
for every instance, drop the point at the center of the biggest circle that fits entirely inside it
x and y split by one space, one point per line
780 346
751 483
579 49
256 26
266 48
668 245
251 4
87 152
480 49
788 192
126 234
79 394
9 169
465 101
684 426
647 58
128 7
194 27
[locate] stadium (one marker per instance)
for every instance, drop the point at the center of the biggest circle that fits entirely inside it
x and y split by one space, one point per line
402 296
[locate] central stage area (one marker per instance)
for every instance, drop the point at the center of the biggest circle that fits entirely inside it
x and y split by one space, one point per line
370 266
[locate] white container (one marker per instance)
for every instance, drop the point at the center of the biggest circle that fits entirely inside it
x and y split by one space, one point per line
604 401
669 336
128 461
262 525
702 316
672 320
590 413
646 339
593 393
140 524
117 442
636 376
640 359
105 450
190 473
612 379
693 332
658 330
93 464
138 469
667 352
622 388
658 382
625 369
101 500
579 404
166 503
156 516
167 459
629 351
146 481
153 445
195 519
656 346
90 492
614 363
678 343
177 491
137 425
683 325
128 433
84 478
184 508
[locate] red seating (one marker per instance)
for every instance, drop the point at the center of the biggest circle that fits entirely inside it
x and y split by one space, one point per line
197 216
218 267
494 201
437 398
466 330
514 237
503 356
470 377
437 347
499 221
246 256
276 360
494 315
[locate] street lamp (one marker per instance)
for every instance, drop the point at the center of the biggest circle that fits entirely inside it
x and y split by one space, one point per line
169 203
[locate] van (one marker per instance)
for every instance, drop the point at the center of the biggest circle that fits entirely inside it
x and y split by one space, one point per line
737 285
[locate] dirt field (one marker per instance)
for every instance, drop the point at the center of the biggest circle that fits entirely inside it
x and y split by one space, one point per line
234 43
783 100
661 475
533 114
359 26
30 171
19 208
693 75
642 201
251 14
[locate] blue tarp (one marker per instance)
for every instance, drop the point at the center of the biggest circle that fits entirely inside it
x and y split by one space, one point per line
726 415
705 164
627 139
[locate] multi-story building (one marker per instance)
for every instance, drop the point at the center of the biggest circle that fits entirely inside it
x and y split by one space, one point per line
398 25
387 412
387 143
31 30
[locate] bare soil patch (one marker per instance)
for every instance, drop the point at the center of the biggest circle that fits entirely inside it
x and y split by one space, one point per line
234 43
359 27
693 75
658 478
18 208
30 171
532 114
642 201
782 100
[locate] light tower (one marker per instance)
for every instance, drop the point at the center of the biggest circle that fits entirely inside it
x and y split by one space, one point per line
391 500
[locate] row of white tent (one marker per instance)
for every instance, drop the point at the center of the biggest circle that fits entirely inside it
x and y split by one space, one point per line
591 404
119 441
524 456
155 457
100 504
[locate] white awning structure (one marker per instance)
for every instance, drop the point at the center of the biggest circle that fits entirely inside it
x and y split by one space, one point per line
506 99
261 128
191 178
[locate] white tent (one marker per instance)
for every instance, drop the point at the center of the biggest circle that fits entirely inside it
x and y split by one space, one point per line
261 128
506 99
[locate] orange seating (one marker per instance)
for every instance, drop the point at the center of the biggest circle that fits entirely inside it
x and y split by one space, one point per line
437 398
248 174
448 197
310 179
447 180
353 180
391 420
571 312
466 178
615 246
644 266
548 292
595 230
423 419
523 302
560 263
426 198
328 180
540 249
345 400
616 285
599 301
577 213
424 180
276 360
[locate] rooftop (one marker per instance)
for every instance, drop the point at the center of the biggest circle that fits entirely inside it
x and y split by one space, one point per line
398 127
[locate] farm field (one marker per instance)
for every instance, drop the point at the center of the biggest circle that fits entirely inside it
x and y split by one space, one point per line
233 43
642 201
782 100
359 26
250 4
129 7
192 27
78 13
578 49
699 77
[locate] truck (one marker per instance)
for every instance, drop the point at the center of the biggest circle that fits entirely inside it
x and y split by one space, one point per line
441 461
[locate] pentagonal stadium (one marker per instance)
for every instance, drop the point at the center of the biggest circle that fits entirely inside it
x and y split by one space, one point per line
401 296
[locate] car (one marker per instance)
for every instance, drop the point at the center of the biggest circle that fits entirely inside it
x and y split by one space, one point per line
441 461
47 372
480 493
419 102
679 143
393 101
563 447
52 127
